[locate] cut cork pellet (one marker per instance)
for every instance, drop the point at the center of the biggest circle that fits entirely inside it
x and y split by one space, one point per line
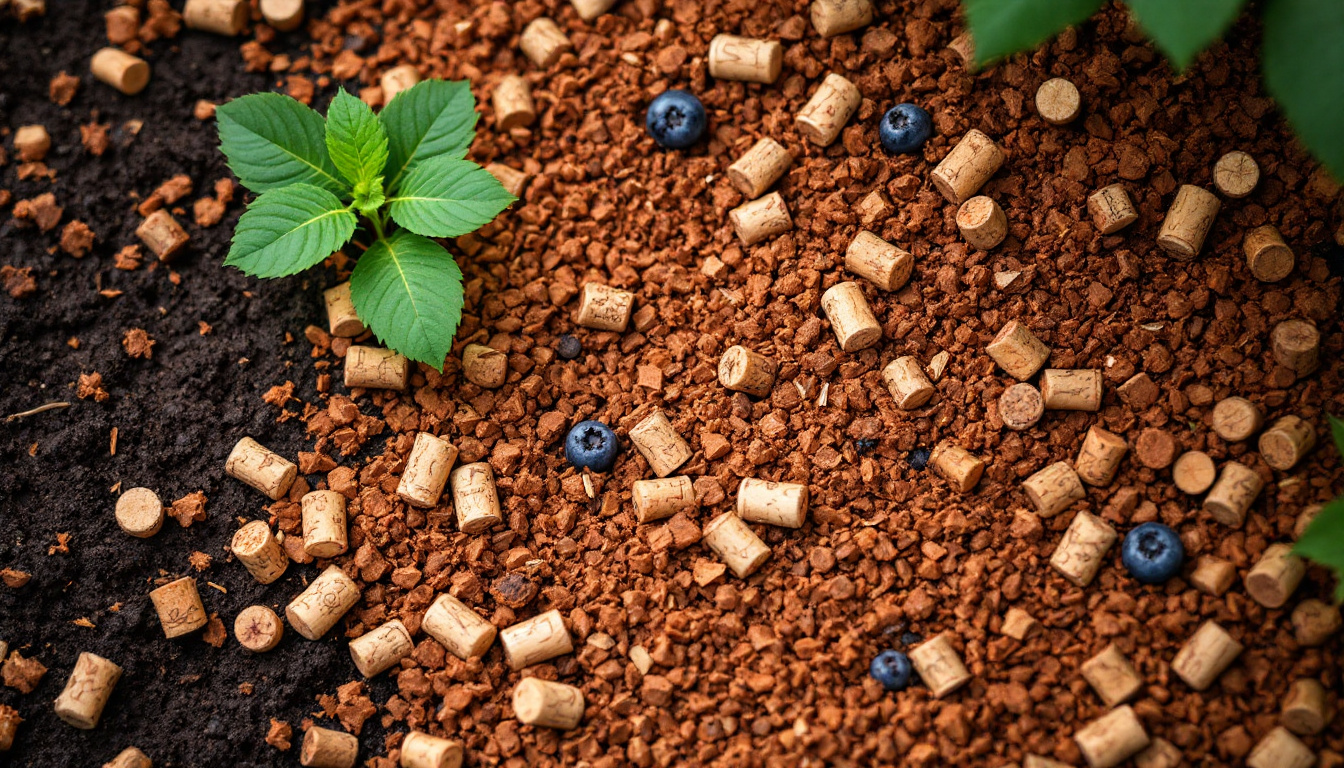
825 114
1237 487
130 757
879 262
761 219
543 42
162 235
1018 624
662 498
1160 753
87 691
1275 576
1194 472
317 609
31 143
179 607
427 469
745 59
1213 576
283 15
956 465
906 382
324 524
1017 351
540 638
547 704
589 10
376 368
852 320
1296 345
1081 551
1071 390
743 370
375 652
836 17
1112 738
256 548
1021 406
484 366
258 629
475 498
1054 488
341 318
1236 419
765 501
1205 655
1287 442
1280 749
939 666
1188 222
1155 448
512 178
729 537
1305 708
604 308
222 17
1112 676
1267 256
1111 209
1305 519
982 222
660 443
1236 174
512 101
458 628
1058 101
1099 458
128 74
325 748
967 167
139 512
398 79
420 750
756 171
9 726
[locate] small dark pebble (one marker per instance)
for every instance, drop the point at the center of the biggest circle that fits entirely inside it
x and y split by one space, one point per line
865 444
568 347
911 638
919 458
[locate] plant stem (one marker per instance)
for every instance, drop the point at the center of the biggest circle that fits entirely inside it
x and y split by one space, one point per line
378 225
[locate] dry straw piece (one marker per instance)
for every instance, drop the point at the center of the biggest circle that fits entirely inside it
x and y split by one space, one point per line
458 628
475 497
178 604
342 320
852 320
317 609
256 548
376 368
825 114
139 512
660 444
547 704
756 171
427 469
736 544
879 262
420 750
540 638
325 748
604 308
324 531
743 58
761 219
258 629
375 651
87 691
128 74
765 501
967 167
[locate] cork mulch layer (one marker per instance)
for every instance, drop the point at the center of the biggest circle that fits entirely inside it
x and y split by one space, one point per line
680 663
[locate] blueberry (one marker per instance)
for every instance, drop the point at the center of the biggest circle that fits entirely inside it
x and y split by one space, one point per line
904 128
1152 553
591 444
568 347
891 669
919 458
865 444
676 119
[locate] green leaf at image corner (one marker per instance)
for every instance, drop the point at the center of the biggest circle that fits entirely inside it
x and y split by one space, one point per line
1303 61
273 141
443 197
287 230
408 290
1323 542
1183 28
1002 27
355 139
430 119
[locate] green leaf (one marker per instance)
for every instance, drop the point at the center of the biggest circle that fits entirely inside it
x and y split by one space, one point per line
288 230
355 139
443 197
369 196
1303 61
1337 433
429 119
408 290
1183 28
273 141
1323 542
1001 27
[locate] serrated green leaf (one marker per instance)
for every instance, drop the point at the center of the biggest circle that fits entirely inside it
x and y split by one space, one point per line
1303 59
369 196
408 290
273 141
1337 434
1323 542
442 197
355 139
287 230
1001 27
1183 28
430 119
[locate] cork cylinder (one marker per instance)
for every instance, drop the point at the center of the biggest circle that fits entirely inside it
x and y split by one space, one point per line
324 531
1058 101
540 638
1233 494
853 321
758 170
87 691
475 498
939 666
458 628
398 79
1236 174
1021 406
589 10
179 607
1188 222
258 629
660 444
1111 209
1071 390
543 42
1275 576
130 757
879 262
325 748
547 704
956 465
1054 488
1236 419
967 167
341 318
1305 519
906 382
604 308
9 726
1083 548
662 498
283 15
427 468
836 17
128 74
982 222
1205 655
1194 472
745 59
1112 738
375 368
513 105
729 537
256 548
222 17
323 603
268 472
1297 346
1017 351
1286 442
420 750
1099 458
139 512
512 178
825 114
1267 256
1281 749
162 235
1305 708
742 370
486 367
766 501
374 652
761 219
1315 621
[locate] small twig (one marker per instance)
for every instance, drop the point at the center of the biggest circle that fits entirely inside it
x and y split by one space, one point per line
37 410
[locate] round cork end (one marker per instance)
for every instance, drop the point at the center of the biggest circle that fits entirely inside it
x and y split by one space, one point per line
1272 264
1236 174
1278 450
1058 101
324 550
299 624
529 700
258 629
135 77
139 512
975 213
1194 472
1236 419
1268 590
1295 337
284 15
251 538
1021 406
1155 448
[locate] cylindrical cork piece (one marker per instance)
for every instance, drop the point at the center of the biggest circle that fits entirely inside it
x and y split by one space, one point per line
258 629
743 58
736 544
540 638
1305 710
766 501
325 748
87 691
1236 419
485 366
1286 442
759 169
1018 351
1267 256
31 143
547 704
512 178
119 69
1112 676
1281 749
660 444
1188 222
1305 519
1021 406
323 603
742 370
1054 488
761 219
1112 738
9 726
956 465
906 382
283 15
458 628
939 666
179 607
376 368
1058 101
162 235
256 548
512 100
1111 209
1314 621
1081 551
130 757
1233 494
1297 346
1236 174
1071 390
589 10
1156 449
836 17
826 113
1099 458
426 470
1205 655
376 651
543 42
342 320
1194 472
1213 576
324 531
879 262
661 498
475 498
1275 576
604 308
853 321
982 222
223 17
139 512
967 167
398 79
420 750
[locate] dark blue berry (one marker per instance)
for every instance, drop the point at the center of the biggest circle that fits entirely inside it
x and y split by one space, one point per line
865 444
676 119
568 347
891 669
919 458
904 128
1152 553
592 444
